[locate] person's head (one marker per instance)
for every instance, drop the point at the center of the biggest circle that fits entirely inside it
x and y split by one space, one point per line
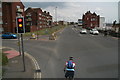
70 58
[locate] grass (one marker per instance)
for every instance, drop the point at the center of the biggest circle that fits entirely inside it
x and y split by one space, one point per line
46 31
4 59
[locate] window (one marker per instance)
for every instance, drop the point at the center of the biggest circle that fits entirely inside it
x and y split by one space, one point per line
39 13
1 22
0 5
0 13
39 17
87 18
18 7
93 19
91 24
18 14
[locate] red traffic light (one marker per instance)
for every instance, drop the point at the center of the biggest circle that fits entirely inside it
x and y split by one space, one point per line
19 20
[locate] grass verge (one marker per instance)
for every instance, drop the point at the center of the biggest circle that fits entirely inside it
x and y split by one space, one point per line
3 62
46 31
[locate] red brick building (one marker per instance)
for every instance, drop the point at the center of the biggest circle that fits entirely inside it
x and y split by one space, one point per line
90 20
32 19
10 10
36 19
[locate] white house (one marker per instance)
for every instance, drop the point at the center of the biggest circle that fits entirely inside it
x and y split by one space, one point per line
102 24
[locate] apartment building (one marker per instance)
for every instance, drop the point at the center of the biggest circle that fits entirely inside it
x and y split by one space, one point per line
33 19
10 10
36 19
90 20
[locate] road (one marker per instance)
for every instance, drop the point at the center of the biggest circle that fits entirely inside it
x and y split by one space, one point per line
96 56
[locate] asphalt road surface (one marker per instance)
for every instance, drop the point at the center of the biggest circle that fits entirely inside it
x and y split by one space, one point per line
95 56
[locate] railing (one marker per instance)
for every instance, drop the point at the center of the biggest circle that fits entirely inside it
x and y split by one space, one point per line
20 10
29 19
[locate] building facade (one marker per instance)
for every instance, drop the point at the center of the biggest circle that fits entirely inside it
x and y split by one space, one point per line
11 10
36 19
90 20
119 11
102 22
32 19
80 22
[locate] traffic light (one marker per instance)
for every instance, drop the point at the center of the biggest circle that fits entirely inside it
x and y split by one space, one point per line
20 24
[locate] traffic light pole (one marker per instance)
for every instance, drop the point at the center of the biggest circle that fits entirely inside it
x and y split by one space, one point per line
19 42
20 31
22 49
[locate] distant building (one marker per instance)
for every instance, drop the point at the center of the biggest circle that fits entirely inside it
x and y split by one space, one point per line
36 19
62 22
10 10
80 22
102 22
119 11
46 19
90 20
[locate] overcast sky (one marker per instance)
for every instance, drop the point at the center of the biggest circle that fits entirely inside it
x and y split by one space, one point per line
73 10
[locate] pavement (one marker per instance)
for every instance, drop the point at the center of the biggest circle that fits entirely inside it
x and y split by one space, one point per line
15 68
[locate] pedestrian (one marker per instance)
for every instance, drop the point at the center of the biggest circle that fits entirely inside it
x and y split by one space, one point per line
69 68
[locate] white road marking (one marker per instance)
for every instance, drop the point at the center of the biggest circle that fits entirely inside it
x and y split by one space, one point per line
79 34
36 74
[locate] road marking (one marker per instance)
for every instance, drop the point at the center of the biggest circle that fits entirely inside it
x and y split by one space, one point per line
79 34
74 29
92 35
36 74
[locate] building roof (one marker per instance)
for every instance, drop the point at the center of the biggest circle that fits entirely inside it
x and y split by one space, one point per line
33 9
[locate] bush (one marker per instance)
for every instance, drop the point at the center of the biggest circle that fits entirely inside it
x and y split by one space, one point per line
4 59
112 33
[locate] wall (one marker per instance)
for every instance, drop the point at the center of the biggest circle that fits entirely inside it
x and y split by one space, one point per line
9 10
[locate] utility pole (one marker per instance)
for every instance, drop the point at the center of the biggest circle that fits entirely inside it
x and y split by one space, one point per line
56 14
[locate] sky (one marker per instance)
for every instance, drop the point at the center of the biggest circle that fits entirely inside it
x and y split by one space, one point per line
72 10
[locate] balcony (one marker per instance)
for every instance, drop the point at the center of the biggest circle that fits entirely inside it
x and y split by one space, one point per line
19 10
28 24
29 19
28 15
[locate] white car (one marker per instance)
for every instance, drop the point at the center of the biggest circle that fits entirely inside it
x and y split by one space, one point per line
94 31
83 31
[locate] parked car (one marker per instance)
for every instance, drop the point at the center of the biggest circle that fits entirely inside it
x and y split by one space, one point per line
9 35
94 31
83 31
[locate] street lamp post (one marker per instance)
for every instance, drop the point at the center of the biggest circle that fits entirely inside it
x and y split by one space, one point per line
56 14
